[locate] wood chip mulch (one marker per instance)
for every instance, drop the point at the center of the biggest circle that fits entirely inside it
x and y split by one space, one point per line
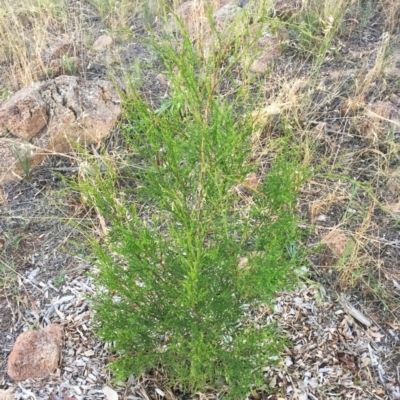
331 355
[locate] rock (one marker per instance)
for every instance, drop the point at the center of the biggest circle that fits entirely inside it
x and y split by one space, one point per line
395 99
35 354
352 105
54 116
267 48
271 50
7 394
193 14
102 42
24 114
225 15
394 207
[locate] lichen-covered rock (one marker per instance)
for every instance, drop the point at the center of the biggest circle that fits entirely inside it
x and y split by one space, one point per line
36 354
53 117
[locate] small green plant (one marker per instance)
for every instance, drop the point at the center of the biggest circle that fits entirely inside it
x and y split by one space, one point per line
23 157
4 93
185 262
2 276
8 276
60 278
69 65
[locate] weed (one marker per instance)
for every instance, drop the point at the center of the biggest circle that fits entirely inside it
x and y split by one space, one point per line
60 278
4 94
23 157
8 277
69 65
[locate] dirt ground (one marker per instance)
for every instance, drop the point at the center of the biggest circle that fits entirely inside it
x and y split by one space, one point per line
43 223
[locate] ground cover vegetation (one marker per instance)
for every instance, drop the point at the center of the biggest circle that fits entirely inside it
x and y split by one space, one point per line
215 193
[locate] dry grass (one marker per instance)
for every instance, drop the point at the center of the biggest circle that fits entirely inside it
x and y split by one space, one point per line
26 29
119 14
346 120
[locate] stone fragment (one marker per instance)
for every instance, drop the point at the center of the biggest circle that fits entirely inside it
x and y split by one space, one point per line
7 394
54 116
193 14
35 354
351 105
394 207
271 50
102 42
24 114
225 15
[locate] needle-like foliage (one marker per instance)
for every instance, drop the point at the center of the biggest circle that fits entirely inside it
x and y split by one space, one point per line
191 251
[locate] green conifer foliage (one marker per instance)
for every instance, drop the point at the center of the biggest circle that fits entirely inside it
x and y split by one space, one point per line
172 294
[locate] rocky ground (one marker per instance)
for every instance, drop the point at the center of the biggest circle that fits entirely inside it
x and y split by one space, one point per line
342 324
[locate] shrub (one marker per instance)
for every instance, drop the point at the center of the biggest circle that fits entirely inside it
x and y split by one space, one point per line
191 251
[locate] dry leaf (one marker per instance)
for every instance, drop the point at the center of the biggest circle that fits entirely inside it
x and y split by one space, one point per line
393 326
243 263
378 336
336 242
110 394
394 207
251 181
318 132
